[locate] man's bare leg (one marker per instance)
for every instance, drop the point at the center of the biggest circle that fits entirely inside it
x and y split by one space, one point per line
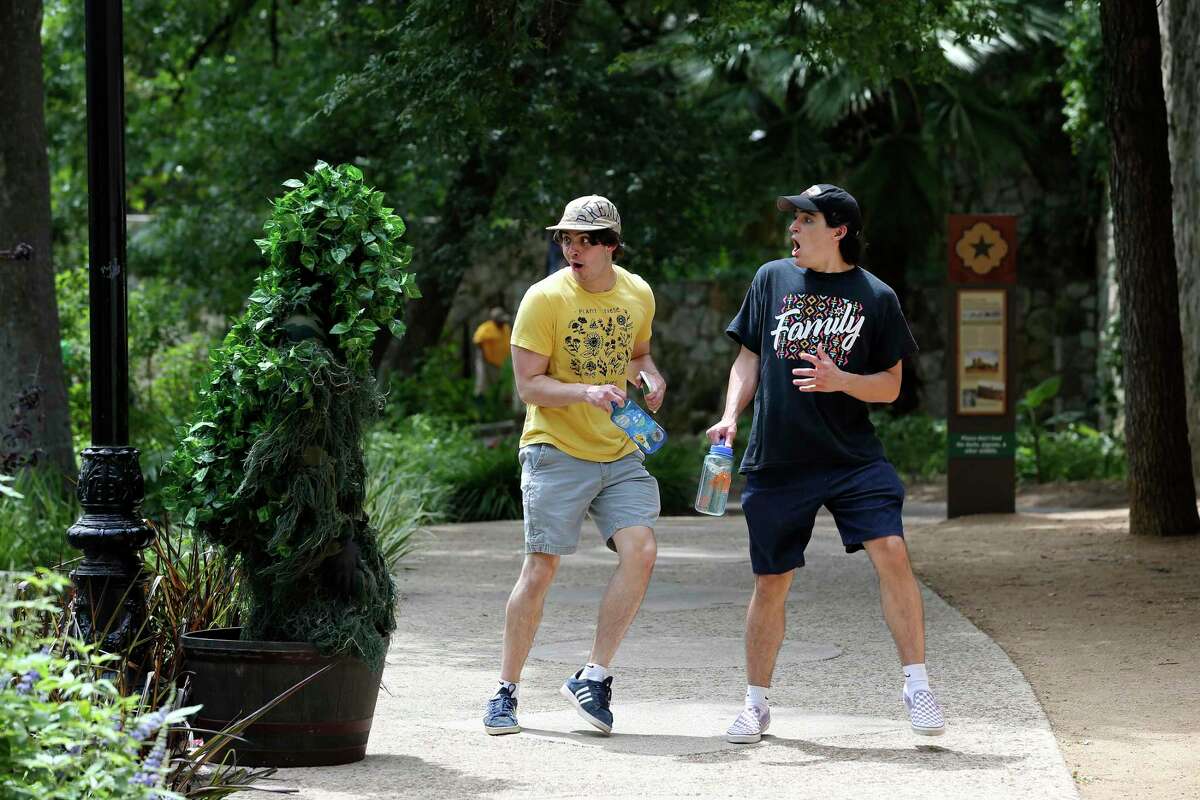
523 614
900 597
766 623
637 551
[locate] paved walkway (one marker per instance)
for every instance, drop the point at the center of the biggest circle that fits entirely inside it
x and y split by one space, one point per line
838 729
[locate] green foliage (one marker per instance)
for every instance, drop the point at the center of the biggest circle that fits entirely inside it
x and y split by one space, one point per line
70 729
1029 407
914 443
331 244
168 361
271 466
462 478
1083 93
65 730
402 496
36 508
1075 451
1062 447
438 389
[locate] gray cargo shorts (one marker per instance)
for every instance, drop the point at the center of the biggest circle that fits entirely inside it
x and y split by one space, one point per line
559 489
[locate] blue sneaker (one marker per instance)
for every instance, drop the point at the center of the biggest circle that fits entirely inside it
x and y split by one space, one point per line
591 699
501 714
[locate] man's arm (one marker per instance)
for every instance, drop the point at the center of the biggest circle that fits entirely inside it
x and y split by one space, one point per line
640 361
743 383
825 376
536 388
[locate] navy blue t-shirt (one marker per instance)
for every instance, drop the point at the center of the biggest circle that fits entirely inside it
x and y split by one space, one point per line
789 310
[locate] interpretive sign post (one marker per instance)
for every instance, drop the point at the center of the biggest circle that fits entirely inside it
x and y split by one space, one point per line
981 409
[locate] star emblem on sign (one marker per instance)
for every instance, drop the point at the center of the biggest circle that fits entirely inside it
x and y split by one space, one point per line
981 248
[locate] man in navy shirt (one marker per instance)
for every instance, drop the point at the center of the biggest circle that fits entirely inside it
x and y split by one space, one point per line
820 339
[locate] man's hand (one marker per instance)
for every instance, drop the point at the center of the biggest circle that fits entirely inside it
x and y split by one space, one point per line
824 376
604 396
654 399
723 432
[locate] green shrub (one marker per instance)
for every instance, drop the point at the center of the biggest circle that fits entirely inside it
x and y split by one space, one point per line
35 511
401 497
914 443
1061 446
65 730
438 389
69 729
1075 452
459 477
272 466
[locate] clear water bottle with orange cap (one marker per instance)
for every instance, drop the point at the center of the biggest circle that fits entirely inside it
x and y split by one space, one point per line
715 478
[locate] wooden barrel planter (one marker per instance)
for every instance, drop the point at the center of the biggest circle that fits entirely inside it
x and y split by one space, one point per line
326 722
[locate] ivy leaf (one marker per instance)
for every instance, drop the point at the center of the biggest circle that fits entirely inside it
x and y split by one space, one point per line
397 328
339 329
292 183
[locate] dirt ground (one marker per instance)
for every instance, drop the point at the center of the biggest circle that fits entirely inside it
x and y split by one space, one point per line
1106 627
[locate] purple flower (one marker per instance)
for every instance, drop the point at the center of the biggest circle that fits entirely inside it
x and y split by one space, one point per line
151 769
25 685
148 725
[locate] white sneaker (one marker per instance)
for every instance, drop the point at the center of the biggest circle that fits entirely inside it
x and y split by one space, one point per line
924 713
749 726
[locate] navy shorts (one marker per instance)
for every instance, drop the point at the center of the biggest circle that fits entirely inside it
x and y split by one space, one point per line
781 503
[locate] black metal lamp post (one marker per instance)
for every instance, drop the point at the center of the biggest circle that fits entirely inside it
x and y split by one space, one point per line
110 602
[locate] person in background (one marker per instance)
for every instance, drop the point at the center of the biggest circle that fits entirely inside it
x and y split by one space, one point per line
491 349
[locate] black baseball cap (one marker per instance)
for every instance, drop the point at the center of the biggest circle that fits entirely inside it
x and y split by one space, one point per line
833 202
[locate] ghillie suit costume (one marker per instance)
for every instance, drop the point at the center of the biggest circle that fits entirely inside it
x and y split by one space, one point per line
272 466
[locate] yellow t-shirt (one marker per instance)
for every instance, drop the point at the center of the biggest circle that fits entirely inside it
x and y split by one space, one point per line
589 338
493 341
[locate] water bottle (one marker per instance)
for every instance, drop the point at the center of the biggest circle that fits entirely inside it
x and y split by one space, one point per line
715 477
639 426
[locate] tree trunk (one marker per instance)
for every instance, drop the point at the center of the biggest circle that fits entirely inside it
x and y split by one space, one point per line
1180 26
30 354
1162 497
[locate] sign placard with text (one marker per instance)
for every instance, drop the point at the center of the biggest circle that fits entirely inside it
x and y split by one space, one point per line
981 261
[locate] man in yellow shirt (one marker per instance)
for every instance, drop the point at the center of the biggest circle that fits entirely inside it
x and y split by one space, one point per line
491 349
580 334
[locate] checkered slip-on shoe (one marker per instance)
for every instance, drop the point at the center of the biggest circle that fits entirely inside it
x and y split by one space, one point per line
501 714
924 713
749 726
591 699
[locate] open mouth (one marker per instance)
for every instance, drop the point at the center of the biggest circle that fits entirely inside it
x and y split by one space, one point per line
795 247
577 265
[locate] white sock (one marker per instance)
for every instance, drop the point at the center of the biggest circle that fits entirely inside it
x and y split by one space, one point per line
915 679
757 696
512 688
594 672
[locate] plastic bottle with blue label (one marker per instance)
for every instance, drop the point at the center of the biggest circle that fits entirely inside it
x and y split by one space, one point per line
639 426
715 478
